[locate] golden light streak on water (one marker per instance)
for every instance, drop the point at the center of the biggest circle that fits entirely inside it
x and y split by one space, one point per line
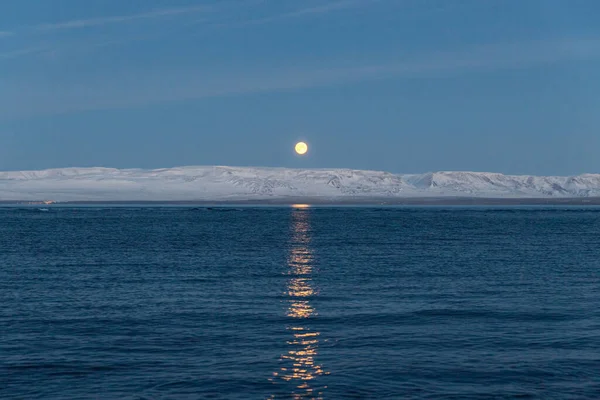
299 364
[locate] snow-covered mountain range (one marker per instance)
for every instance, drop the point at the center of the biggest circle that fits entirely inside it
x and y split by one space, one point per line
221 183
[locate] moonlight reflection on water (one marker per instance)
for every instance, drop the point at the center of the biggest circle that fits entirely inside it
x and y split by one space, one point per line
299 364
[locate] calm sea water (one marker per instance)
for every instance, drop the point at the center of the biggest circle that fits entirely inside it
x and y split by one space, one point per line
260 303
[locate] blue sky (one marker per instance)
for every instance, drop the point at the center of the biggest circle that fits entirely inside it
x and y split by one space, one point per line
508 86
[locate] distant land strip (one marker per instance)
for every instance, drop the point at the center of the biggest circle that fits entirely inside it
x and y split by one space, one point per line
264 185
423 201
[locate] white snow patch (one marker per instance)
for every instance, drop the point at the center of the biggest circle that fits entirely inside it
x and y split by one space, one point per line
249 183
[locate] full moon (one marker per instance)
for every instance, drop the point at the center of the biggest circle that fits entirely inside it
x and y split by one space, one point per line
301 148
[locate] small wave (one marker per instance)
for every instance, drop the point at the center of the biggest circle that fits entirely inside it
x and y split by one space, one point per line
217 209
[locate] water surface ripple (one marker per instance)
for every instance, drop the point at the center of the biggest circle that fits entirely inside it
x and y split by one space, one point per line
278 303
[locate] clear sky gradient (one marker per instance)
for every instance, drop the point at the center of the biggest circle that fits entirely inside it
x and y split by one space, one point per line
509 86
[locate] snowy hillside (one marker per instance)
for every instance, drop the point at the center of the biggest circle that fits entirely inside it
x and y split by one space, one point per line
239 183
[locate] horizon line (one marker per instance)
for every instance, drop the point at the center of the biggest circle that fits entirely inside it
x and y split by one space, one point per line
291 168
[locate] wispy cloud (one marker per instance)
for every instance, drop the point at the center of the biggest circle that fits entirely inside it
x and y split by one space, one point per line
37 30
326 8
322 9
91 22
166 86
307 11
22 52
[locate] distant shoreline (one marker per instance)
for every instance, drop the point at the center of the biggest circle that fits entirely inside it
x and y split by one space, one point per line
420 201
280 186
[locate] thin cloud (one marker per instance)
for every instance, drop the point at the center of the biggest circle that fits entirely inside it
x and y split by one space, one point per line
315 10
6 34
27 100
95 22
91 22
326 8
22 52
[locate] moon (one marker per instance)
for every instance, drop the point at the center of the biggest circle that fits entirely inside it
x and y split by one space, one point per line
301 148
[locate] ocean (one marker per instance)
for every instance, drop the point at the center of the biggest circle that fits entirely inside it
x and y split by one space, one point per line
300 302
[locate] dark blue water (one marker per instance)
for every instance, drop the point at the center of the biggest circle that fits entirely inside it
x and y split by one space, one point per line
332 303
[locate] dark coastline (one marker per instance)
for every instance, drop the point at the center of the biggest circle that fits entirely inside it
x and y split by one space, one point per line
416 201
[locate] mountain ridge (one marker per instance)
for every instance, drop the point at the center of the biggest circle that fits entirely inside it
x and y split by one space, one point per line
256 183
